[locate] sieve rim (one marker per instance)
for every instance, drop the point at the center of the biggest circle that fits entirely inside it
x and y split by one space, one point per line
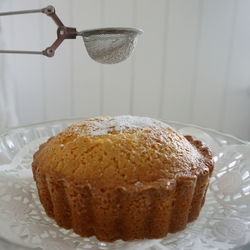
110 30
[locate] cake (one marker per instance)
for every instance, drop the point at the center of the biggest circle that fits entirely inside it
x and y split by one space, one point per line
122 177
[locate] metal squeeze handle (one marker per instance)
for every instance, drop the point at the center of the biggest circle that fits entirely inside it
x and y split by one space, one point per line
63 32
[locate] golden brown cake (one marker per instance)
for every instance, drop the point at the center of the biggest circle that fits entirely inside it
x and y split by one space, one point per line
122 177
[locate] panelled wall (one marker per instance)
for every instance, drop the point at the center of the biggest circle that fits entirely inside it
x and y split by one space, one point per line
192 63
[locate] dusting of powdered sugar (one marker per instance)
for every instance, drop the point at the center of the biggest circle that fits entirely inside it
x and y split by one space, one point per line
104 125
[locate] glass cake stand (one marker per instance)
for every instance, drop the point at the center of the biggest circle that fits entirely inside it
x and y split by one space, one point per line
224 222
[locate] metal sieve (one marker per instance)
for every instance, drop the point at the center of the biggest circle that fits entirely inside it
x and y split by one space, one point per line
106 45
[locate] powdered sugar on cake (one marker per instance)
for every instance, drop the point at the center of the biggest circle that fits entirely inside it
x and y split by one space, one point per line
104 125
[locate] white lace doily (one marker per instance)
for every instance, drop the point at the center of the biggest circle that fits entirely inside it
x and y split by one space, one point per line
224 222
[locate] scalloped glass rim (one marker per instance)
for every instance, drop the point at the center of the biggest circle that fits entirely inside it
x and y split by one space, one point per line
221 138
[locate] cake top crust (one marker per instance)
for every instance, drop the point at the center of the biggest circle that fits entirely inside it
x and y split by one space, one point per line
121 150
106 124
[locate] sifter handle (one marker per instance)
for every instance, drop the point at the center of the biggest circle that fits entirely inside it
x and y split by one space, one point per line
21 12
63 32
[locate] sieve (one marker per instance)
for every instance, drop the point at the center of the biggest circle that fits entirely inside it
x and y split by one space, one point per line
104 45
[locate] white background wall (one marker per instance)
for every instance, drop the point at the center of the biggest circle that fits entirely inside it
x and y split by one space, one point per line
192 64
